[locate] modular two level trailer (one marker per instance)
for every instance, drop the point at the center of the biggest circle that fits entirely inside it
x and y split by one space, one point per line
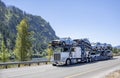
102 51
80 51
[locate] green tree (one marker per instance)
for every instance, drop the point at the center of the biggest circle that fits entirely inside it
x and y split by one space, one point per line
50 53
115 50
23 47
4 52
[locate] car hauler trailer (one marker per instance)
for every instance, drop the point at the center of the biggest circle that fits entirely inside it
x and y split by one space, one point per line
79 50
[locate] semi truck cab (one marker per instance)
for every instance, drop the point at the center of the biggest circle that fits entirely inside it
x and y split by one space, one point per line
68 55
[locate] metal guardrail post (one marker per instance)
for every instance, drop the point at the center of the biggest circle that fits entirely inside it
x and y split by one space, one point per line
46 63
29 64
6 66
38 63
18 65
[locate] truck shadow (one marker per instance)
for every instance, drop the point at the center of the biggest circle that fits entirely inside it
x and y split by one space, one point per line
74 65
82 63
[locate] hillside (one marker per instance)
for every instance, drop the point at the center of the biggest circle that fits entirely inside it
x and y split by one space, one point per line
118 47
11 16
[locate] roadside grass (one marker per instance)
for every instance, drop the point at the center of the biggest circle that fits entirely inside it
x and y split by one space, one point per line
115 74
8 66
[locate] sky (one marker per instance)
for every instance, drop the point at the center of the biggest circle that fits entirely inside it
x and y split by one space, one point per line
97 20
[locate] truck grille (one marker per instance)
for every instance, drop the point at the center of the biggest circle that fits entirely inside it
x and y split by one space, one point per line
56 56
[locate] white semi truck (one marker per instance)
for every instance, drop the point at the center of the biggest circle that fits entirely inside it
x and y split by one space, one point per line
67 51
68 54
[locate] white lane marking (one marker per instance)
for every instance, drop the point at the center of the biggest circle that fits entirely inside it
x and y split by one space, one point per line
81 73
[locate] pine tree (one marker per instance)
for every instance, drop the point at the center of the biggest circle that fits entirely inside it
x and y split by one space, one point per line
23 47
50 53
115 50
4 52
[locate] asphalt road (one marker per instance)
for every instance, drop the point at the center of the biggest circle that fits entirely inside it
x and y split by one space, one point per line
89 70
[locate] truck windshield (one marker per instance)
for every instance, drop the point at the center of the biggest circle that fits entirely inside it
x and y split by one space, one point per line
61 49
58 49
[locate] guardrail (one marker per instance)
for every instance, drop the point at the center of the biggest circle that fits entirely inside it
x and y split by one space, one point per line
6 64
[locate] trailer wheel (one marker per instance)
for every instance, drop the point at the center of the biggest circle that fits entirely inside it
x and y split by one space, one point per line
68 62
78 60
90 59
93 59
86 60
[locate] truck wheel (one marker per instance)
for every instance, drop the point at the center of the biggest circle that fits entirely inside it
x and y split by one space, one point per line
111 57
68 62
54 64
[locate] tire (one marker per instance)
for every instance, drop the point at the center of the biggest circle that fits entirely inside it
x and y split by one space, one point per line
111 57
78 60
68 62
90 59
93 59
54 64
